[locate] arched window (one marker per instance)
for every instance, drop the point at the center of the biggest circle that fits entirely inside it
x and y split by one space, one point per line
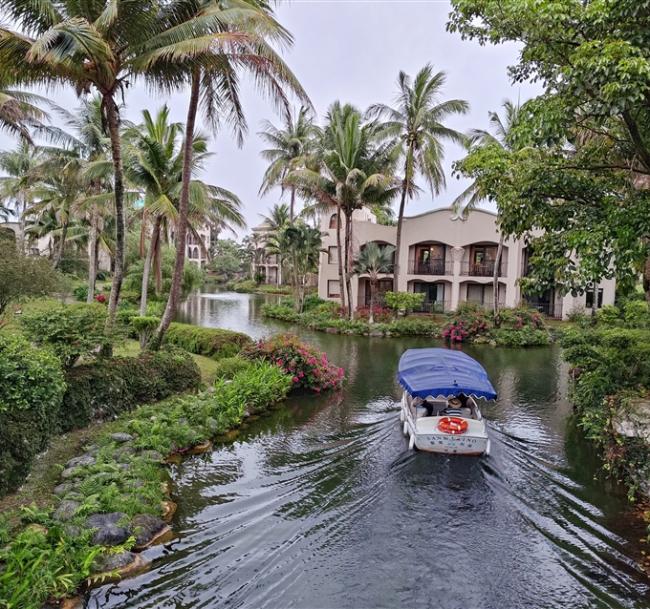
334 221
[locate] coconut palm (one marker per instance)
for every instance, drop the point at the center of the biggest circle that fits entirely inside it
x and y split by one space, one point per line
19 111
417 124
225 40
290 145
373 260
469 199
354 170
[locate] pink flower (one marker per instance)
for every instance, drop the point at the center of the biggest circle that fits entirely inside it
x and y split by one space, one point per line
295 379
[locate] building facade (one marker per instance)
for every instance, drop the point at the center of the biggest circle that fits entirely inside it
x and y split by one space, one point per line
197 248
265 265
450 260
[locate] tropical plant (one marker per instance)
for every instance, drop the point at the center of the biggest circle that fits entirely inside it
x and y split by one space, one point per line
373 260
290 145
469 199
417 126
19 110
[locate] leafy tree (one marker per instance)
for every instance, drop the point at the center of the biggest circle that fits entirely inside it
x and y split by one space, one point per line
228 259
580 171
290 146
373 260
416 123
22 276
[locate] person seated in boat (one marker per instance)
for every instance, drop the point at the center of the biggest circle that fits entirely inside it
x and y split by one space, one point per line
459 407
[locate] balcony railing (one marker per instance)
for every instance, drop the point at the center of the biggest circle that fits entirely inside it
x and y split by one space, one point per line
433 306
482 269
548 308
436 266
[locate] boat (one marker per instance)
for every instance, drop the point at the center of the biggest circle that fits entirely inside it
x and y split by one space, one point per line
440 411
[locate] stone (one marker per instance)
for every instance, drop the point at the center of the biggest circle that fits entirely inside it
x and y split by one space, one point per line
124 453
376 333
66 510
70 472
152 455
74 496
64 488
121 437
168 509
108 532
147 528
82 461
113 567
331 330
633 421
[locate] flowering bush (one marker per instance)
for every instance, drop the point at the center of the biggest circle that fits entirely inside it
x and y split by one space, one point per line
466 323
519 318
100 298
308 367
379 313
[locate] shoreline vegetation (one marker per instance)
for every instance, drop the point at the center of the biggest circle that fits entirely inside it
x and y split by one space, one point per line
518 327
97 512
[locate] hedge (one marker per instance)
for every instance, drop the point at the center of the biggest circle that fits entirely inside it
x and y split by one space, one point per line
31 388
111 386
212 342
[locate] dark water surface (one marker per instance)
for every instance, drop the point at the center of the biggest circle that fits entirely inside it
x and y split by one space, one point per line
321 505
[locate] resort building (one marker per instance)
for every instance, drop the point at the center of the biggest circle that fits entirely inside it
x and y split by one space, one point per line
266 265
198 245
450 260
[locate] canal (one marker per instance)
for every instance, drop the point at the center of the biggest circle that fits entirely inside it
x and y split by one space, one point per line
321 505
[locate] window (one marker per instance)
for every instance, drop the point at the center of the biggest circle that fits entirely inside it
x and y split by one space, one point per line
332 254
476 293
589 298
333 288
334 221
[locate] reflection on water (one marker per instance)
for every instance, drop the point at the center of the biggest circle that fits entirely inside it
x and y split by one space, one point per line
320 504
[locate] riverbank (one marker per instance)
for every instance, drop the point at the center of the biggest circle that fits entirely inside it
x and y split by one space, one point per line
114 499
248 286
518 327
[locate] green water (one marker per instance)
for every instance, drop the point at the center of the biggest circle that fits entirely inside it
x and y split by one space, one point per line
321 505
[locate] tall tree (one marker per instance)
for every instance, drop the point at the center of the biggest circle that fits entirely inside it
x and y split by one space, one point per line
227 40
417 122
290 145
469 199
373 260
20 111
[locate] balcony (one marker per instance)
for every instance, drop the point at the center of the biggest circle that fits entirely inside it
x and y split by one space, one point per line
482 269
435 266
549 309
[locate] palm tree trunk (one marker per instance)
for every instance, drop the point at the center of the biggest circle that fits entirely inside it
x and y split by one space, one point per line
92 261
181 228
340 256
371 316
146 271
398 237
113 119
495 278
23 223
292 205
61 249
646 279
348 281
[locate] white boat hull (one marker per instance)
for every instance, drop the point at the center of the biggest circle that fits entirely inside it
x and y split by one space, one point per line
423 434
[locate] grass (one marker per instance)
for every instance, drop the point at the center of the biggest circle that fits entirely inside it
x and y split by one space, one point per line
207 366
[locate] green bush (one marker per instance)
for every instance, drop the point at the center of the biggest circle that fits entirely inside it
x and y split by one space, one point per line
144 327
80 293
71 331
280 311
636 314
245 286
403 301
414 326
229 366
31 390
110 386
522 337
212 342
253 389
609 314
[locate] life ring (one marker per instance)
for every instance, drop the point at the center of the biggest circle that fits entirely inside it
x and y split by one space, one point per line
452 425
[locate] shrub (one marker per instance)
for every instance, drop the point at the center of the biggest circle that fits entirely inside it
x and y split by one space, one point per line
212 342
520 317
253 388
110 386
280 311
609 314
466 323
414 326
71 331
31 390
521 337
403 301
636 314
307 367
229 366
313 301
144 326
379 313
80 293
245 286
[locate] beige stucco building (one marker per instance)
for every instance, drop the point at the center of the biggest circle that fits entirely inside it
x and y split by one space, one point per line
265 264
451 260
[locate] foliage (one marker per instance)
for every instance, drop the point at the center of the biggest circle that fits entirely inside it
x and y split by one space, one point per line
253 388
228 367
212 342
229 259
403 301
379 313
520 317
636 314
80 293
609 315
144 326
245 286
466 324
110 386
280 311
31 391
22 276
307 367
71 331
525 336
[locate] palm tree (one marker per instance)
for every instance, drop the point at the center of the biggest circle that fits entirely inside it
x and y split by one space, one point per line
290 145
354 171
469 199
19 111
154 162
374 259
417 124
225 41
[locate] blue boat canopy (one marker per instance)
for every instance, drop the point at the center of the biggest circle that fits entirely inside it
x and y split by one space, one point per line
443 373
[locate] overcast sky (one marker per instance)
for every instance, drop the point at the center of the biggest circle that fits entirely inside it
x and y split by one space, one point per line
353 51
